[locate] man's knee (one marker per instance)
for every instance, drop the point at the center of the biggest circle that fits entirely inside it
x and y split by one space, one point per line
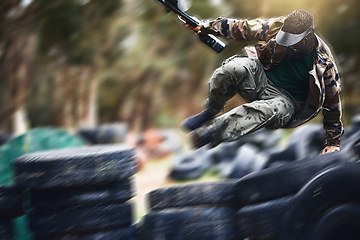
284 112
269 113
238 67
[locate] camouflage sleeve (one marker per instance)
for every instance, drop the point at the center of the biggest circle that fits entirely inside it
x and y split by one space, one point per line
332 109
244 29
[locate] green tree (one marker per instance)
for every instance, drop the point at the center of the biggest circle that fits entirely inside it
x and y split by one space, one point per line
74 38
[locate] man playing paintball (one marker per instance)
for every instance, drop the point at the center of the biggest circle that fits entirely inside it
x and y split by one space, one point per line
289 80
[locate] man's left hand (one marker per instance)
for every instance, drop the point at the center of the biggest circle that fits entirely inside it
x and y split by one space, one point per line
329 149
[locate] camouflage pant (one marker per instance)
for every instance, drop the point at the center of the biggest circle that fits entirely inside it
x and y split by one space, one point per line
267 105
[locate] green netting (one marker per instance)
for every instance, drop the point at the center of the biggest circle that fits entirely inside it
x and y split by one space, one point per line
35 140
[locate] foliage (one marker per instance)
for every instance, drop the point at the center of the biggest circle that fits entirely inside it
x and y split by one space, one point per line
147 67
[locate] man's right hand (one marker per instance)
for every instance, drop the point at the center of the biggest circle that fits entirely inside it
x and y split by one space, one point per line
329 149
196 29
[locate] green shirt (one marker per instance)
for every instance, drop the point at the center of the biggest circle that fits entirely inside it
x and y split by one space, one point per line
293 76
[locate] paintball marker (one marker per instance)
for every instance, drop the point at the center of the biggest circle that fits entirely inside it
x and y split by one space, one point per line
179 7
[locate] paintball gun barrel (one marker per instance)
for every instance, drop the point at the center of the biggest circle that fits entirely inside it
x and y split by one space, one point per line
210 40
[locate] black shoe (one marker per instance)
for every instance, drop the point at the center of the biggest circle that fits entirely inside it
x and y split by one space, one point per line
201 137
196 121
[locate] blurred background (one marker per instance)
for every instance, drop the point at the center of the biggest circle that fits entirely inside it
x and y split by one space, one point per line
81 65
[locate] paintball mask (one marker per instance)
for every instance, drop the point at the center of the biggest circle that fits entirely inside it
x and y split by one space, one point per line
297 46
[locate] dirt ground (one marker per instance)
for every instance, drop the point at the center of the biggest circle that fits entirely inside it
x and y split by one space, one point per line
154 175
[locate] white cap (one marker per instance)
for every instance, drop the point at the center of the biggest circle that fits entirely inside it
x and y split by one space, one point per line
287 39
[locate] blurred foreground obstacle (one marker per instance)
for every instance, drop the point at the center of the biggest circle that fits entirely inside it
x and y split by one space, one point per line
10 208
79 193
85 193
262 205
37 139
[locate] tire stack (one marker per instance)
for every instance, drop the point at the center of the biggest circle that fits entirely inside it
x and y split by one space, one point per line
10 208
257 206
193 211
113 133
326 208
79 193
267 195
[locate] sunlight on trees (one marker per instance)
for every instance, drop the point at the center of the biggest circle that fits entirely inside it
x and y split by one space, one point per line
74 63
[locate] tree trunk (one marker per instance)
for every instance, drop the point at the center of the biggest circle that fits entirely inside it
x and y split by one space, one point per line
87 98
80 94
18 70
64 115
143 111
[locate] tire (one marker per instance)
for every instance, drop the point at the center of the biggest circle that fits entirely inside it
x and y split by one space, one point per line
126 233
74 167
11 201
200 223
6 229
189 166
5 137
263 138
215 193
329 189
343 222
90 195
286 179
105 134
261 221
80 219
308 140
351 143
89 134
352 131
242 163
286 155
275 164
224 152
258 163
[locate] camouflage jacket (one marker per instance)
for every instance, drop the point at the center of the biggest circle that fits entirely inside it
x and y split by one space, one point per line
324 81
